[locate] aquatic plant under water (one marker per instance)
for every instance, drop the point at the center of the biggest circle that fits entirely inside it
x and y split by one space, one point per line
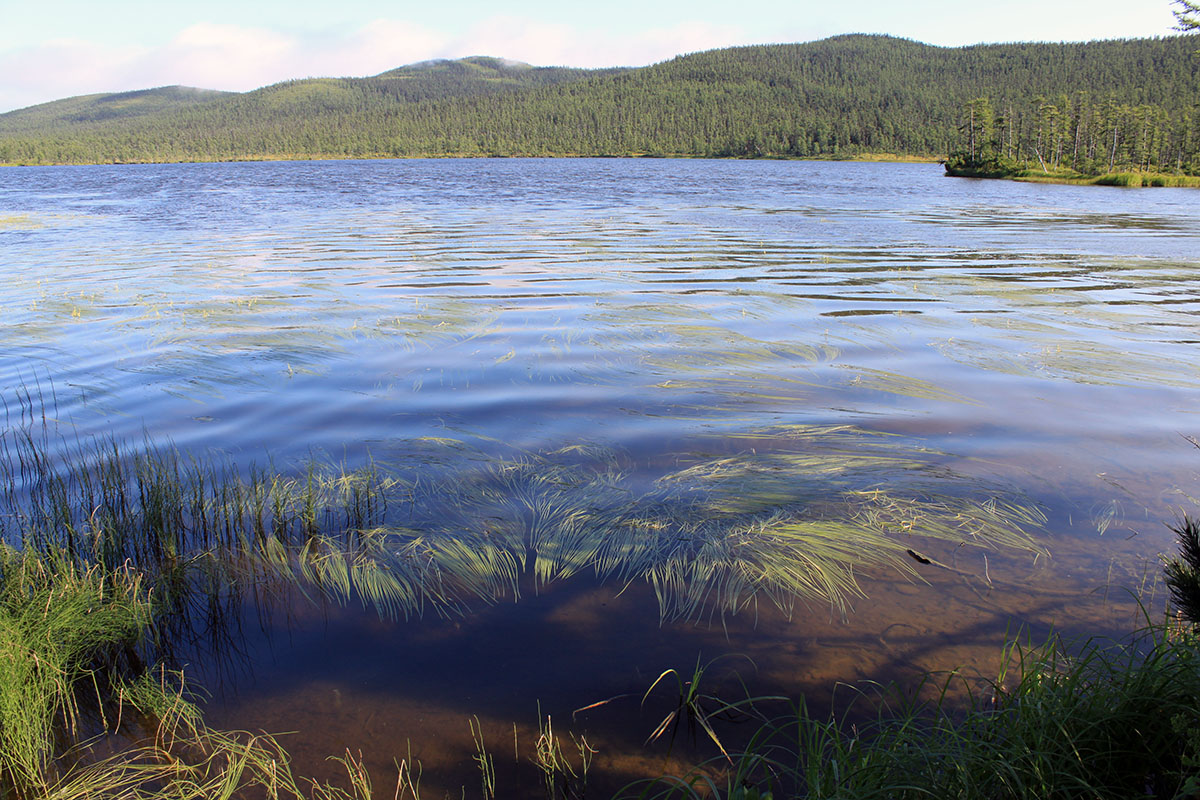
792 514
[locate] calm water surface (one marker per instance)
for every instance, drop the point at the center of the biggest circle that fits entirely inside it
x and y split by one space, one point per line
1029 344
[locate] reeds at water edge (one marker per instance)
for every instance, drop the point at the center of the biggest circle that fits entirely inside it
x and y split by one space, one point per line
123 554
798 522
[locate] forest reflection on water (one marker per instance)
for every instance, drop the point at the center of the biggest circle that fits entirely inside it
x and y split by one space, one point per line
625 389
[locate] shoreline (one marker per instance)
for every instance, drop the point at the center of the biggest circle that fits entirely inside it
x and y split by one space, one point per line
870 158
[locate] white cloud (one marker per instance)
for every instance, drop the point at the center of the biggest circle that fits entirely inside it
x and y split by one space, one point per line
63 68
237 58
377 47
540 43
547 44
687 37
218 57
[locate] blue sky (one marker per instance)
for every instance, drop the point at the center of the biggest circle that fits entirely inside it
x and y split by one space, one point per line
60 48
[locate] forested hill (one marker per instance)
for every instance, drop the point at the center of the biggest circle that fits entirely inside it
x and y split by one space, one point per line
837 97
98 107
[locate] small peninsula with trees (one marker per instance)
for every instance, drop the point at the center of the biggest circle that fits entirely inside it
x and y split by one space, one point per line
1079 139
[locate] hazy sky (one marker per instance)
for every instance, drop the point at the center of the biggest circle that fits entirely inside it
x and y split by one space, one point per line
51 49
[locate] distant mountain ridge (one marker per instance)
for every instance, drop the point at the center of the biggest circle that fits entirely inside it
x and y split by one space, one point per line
836 97
100 107
423 80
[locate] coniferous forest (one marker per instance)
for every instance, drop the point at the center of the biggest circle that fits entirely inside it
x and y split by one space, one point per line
1077 134
1088 106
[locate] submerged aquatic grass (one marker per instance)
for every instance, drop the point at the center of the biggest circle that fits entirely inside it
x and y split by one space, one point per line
794 514
797 520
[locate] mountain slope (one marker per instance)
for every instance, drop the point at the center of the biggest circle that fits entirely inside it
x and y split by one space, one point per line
838 96
60 114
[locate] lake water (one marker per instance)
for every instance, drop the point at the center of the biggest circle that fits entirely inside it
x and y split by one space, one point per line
760 343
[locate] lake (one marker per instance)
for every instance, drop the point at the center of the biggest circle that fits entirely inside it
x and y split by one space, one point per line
671 397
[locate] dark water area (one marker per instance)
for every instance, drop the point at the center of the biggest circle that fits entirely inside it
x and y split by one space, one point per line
761 341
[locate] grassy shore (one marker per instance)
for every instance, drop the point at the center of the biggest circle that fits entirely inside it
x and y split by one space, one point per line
887 158
1125 179
1104 719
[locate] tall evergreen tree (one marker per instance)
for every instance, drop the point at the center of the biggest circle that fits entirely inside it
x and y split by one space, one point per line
977 123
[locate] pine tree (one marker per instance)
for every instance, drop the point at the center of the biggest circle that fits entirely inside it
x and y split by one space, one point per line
1187 15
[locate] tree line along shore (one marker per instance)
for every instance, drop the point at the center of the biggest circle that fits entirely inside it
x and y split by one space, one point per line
1078 139
842 97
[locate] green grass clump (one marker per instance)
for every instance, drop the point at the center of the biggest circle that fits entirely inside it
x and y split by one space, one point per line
61 626
1138 179
1127 179
1113 720
70 674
